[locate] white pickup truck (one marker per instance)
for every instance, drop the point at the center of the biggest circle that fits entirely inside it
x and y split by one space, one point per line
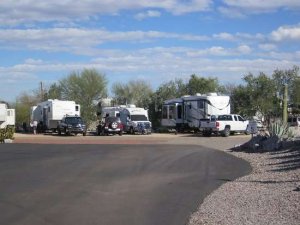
225 125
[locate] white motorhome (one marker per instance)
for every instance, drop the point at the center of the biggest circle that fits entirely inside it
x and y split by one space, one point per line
187 112
7 116
49 113
134 119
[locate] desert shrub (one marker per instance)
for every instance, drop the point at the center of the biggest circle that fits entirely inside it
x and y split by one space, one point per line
6 133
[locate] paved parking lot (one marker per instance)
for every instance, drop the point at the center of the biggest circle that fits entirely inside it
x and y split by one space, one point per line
115 184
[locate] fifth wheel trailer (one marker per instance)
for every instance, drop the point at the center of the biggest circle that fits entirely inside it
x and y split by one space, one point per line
49 113
188 111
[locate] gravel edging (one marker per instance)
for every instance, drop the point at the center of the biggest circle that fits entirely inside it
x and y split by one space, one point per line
269 195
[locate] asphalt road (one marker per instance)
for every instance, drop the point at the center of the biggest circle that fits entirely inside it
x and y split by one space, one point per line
109 184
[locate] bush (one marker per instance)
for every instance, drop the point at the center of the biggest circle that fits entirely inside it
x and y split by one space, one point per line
7 133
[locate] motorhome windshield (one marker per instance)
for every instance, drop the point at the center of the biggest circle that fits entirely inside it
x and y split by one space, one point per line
139 118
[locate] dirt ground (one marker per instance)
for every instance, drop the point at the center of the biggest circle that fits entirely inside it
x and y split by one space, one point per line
220 143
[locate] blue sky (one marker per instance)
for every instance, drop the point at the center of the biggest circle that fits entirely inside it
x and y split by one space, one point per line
155 41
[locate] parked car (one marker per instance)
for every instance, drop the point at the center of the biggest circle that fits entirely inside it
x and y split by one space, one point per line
110 125
71 125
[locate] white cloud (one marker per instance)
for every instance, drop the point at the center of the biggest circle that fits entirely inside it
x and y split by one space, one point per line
231 12
286 33
244 49
219 51
81 41
181 7
240 8
267 47
224 36
147 14
287 56
239 37
34 61
21 12
14 74
259 5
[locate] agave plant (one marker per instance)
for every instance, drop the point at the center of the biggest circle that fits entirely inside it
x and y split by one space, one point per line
281 130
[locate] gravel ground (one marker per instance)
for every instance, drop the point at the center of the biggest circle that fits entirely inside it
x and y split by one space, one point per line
269 195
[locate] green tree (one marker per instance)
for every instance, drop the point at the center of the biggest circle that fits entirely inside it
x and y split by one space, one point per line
54 92
23 105
134 92
262 92
241 101
84 88
172 89
202 85
227 89
257 96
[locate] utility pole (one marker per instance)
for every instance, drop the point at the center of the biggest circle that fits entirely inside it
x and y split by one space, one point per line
285 106
41 91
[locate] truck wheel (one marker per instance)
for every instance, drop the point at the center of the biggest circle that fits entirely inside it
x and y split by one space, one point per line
59 131
206 133
84 133
120 133
226 132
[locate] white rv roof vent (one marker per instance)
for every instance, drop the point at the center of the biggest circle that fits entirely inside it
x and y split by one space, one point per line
212 94
198 94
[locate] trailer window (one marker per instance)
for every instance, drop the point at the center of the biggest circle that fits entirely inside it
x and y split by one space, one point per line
200 104
179 111
165 112
172 112
76 108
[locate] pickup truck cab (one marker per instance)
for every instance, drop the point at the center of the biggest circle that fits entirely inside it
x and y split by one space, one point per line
225 125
